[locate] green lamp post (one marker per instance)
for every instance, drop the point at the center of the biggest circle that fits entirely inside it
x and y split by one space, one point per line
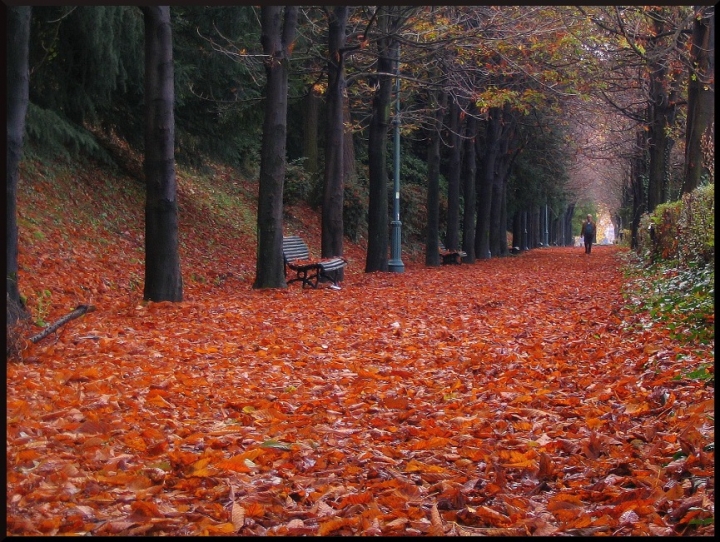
395 264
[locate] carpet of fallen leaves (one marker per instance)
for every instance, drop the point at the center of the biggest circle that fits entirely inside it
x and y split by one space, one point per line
514 396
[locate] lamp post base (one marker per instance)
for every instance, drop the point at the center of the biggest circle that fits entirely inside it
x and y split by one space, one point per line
395 264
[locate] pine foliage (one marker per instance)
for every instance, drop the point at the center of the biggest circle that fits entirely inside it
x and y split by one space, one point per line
49 135
86 60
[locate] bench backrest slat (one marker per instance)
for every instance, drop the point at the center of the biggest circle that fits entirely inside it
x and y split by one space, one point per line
295 248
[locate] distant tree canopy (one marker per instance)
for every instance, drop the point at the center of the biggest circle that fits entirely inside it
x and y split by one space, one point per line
540 65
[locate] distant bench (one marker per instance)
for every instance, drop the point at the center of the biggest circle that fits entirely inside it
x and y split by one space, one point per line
309 271
450 256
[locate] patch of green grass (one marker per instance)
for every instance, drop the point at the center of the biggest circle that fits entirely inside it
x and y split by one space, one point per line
42 308
681 299
135 282
226 200
700 373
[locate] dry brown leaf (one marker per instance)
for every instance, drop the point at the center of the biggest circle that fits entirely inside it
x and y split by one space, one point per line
514 405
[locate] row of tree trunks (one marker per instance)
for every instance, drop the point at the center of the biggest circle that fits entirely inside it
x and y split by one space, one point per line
529 231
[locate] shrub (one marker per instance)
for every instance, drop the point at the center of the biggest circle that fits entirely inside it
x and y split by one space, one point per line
355 210
50 135
681 232
299 184
696 227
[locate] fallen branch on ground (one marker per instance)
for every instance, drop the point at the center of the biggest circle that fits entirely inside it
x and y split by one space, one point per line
77 313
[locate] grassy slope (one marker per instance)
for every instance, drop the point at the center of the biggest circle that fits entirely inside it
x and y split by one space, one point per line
82 236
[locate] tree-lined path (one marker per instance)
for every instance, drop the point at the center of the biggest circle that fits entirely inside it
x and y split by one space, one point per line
511 396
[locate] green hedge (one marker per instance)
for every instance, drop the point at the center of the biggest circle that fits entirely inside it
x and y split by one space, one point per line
696 227
681 232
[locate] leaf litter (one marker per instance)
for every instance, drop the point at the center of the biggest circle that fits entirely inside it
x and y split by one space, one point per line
515 396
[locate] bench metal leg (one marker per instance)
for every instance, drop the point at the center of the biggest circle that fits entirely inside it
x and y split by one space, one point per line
307 280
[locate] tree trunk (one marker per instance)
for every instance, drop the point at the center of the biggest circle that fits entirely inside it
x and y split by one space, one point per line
432 254
498 229
516 235
568 234
348 142
469 174
452 236
278 32
701 97
378 227
310 130
498 212
487 177
18 40
662 115
334 186
163 279
639 174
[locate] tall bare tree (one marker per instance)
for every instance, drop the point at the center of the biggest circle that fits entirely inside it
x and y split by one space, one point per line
455 127
163 279
278 34
334 185
701 95
438 104
469 171
18 39
378 230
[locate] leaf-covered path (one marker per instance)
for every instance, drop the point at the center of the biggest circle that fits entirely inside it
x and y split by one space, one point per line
511 396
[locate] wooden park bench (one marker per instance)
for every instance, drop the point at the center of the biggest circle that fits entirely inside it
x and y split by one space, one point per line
307 270
450 256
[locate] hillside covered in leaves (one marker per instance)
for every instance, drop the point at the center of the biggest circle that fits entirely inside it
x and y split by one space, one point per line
514 396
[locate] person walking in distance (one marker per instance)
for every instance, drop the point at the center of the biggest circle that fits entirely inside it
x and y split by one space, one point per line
588 233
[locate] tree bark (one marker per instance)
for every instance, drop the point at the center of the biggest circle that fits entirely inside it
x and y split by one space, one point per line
662 115
507 152
486 178
348 143
497 227
432 254
334 186
278 32
18 40
378 225
470 193
639 198
452 236
568 234
163 280
516 233
701 97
